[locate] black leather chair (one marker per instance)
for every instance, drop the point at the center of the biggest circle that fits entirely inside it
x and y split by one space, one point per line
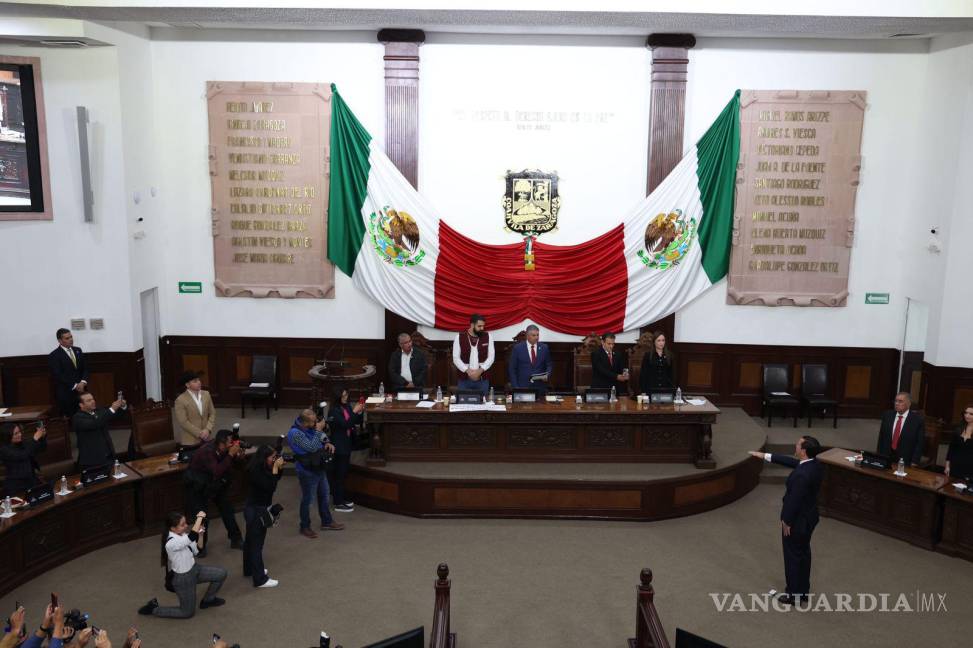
263 370
814 392
776 394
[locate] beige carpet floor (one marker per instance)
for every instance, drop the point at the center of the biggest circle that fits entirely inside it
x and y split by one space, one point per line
537 584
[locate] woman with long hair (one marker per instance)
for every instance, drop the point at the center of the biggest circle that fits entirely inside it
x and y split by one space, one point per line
264 473
959 458
343 420
17 452
656 372
179 549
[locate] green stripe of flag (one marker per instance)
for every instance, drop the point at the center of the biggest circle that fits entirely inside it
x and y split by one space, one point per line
349 184
717 153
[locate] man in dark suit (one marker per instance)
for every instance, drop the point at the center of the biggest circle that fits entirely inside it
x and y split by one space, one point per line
407 366
529 358
607 366
90 425
69 372
903 432
799 514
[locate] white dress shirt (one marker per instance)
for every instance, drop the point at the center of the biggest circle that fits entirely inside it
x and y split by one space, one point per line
181 552
767 458
405 370
474 356
198 399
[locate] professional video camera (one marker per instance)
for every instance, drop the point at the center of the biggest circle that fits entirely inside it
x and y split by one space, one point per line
288 457
76 620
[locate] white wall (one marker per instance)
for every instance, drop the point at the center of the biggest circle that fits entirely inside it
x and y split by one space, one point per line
892 142
180 70
53 271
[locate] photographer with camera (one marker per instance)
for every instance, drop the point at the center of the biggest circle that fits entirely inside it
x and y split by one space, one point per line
311 448
260 512
343 420
180 546
207 479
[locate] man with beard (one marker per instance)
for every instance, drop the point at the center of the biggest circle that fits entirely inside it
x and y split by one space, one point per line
473 356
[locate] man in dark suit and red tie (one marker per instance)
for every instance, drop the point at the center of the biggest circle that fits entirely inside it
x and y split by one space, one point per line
69 372
607 366
903 432
798 515
528 359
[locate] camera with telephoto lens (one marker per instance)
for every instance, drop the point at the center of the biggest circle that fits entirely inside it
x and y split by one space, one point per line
236 440
76 620
288 457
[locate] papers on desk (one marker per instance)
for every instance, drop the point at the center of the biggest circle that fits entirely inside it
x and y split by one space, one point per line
554 399
426 404
374 400
696 401
779 393
260 384
477 407
852 459
120 475
3 411
959 486
540 376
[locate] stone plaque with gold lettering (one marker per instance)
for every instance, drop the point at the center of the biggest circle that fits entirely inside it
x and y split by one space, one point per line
794 218
268 164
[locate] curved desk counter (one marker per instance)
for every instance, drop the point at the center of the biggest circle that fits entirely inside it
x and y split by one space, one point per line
36 540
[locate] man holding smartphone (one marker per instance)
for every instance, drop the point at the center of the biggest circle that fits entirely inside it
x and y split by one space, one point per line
90 424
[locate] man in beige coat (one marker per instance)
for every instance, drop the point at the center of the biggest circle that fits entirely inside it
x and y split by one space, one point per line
194 411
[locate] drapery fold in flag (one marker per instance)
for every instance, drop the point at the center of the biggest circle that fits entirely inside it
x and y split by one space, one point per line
670 248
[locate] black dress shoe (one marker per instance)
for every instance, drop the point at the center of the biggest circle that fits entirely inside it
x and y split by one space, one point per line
216 601
790 599
147 609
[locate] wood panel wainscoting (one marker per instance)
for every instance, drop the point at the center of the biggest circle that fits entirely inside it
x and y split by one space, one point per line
862 379
26 380
945 392
650 499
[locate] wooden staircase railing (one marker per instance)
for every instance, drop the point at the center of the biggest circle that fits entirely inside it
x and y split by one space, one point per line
439 635
648 628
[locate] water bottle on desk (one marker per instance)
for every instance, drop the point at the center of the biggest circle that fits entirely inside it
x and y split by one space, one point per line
64 486
490 397
614 395
900 470
439 394
679 395
7 508
381 390
116 471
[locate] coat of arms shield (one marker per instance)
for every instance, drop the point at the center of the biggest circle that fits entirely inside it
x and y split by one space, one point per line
531 201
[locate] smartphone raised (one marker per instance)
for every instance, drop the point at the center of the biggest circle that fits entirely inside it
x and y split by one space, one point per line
53 600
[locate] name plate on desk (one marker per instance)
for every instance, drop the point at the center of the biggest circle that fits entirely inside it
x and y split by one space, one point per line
96 475
39 494
409 395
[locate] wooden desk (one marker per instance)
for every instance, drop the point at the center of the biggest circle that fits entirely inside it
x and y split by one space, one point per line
90 518
26 414
907 507
162 490
620 432
957 533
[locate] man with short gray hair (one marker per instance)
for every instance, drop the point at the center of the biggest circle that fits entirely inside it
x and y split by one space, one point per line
407 366
530 363
903 432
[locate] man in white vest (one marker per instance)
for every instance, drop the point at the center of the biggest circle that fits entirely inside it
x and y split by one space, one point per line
473 356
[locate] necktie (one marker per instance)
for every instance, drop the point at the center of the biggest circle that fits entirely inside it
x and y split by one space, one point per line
74 360
610 359
533 357
897 432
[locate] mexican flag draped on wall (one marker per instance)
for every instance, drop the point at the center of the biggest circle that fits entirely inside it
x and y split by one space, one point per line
393 244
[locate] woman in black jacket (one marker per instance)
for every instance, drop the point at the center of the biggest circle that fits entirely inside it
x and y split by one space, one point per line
263 475
959 458
343 419
656 373
17 454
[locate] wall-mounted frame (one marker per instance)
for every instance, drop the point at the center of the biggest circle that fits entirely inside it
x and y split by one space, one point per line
25 184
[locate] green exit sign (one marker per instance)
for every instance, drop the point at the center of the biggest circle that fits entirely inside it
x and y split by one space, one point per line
876 298
191 287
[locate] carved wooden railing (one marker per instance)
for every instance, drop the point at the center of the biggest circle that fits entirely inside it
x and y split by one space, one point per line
648 628
440 636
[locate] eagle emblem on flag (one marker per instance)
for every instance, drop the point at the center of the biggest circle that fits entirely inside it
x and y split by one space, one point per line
668 238
395 236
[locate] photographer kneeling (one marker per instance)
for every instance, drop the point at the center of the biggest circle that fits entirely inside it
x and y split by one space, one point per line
179 550
310 445
260 512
